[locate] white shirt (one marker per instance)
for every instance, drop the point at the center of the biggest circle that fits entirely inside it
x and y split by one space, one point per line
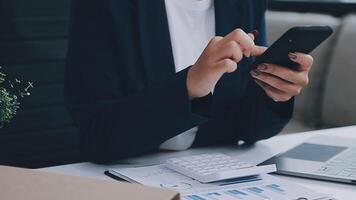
191 26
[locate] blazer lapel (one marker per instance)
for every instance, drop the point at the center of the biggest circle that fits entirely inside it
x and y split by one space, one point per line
229 15
155 40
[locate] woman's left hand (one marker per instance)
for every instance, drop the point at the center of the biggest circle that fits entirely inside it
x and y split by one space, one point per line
281 83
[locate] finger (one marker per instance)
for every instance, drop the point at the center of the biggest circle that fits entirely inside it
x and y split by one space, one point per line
258 50
222 67
226 66
239 36
212 43
214 40
304 60
284 73
287 87
254 34
273 93
231 50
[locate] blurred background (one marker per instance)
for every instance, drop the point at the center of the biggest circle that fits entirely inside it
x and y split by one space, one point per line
33 41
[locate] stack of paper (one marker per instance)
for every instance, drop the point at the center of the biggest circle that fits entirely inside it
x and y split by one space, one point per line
261 187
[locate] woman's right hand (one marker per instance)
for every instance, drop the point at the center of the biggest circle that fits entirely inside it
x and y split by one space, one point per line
219 57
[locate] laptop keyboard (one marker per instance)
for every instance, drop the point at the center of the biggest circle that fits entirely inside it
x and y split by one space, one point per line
342 165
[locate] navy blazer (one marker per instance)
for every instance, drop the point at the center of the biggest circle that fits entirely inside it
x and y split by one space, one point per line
125 97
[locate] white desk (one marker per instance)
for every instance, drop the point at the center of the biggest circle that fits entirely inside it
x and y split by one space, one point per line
256 154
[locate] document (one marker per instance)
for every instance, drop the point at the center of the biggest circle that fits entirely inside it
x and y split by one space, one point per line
262 187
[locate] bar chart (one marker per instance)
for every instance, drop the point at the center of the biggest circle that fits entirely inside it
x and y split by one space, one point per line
262 187
262 192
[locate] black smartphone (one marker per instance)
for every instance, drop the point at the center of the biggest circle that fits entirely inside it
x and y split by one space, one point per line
302 39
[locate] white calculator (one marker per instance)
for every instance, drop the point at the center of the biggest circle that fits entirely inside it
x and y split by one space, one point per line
208 168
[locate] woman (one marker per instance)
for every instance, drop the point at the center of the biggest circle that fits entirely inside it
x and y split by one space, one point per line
170 74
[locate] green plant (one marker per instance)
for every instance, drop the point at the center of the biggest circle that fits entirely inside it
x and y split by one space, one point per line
10 93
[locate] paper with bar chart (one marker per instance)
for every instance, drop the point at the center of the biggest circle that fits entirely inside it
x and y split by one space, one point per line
263 187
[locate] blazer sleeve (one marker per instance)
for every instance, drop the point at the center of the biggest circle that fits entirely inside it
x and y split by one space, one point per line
115 125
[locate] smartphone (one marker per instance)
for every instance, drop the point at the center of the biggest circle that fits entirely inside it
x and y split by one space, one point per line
302 39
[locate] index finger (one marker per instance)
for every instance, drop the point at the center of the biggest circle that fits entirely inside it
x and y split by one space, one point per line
245 41
253 34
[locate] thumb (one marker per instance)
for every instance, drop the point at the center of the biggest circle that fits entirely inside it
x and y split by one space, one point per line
225 66
258 50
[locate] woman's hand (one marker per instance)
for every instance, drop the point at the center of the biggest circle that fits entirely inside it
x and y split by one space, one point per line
281 83
219 57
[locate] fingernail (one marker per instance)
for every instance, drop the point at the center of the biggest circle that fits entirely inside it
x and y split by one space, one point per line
262 67
254 73
292 56
255 33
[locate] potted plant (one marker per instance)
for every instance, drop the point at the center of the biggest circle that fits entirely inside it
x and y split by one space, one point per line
10 94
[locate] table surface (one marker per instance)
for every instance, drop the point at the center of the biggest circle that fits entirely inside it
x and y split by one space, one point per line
255 154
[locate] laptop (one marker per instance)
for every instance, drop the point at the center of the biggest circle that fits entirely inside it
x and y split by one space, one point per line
320 157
